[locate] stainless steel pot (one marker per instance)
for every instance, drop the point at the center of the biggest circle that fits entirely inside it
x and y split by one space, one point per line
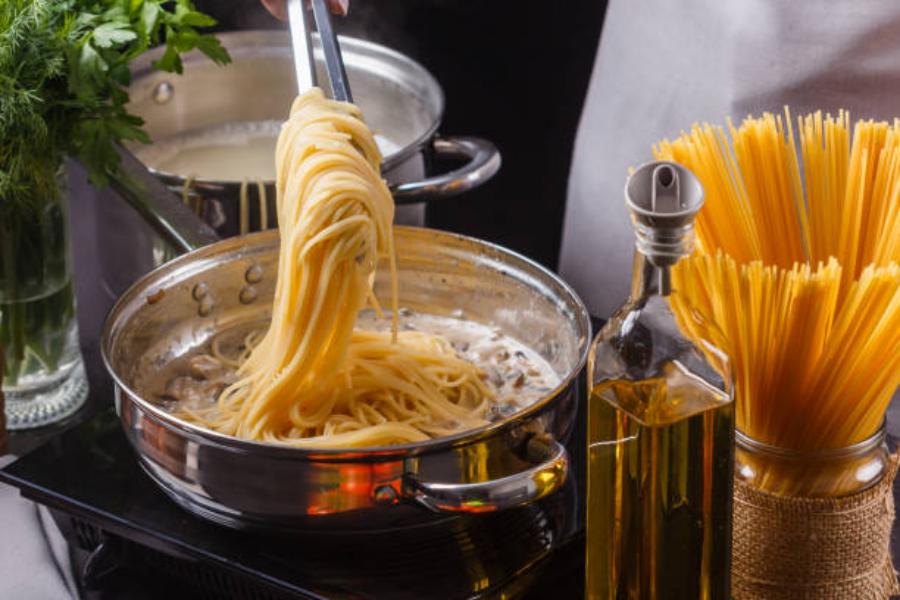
400 99
245 484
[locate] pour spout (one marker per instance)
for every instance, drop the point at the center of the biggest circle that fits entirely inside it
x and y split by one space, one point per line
664 198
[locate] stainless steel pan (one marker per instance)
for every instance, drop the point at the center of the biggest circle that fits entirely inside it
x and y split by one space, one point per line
245 484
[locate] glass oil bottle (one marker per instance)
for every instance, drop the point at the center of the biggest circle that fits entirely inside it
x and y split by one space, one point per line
660 422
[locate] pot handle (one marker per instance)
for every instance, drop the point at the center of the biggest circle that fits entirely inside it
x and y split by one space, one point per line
551 467
159 207
483 163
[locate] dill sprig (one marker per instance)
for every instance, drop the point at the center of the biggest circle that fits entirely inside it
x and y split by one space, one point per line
63 80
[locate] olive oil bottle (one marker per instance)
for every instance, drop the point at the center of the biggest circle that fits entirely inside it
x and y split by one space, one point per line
660 422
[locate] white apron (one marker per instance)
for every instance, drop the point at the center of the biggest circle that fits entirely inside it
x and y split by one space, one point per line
662 65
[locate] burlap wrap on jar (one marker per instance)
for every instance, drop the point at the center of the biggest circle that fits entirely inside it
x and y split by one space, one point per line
796 548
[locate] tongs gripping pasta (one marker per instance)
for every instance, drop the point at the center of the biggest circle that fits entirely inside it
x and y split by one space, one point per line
304 58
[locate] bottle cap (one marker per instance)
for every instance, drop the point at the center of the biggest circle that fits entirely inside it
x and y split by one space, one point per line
663 198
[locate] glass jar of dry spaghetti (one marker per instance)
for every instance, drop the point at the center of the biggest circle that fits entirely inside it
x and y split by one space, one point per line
813 524
824 473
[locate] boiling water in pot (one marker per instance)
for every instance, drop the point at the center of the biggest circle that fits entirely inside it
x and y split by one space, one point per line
229 152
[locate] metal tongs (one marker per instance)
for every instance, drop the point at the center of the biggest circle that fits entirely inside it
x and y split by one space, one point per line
304 56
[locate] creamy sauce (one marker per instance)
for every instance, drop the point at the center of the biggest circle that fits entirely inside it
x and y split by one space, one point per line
516 374
228 152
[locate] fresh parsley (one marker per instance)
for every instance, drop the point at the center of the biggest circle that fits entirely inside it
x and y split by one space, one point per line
63 82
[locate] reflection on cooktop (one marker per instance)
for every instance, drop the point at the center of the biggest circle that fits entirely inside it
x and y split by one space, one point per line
90 477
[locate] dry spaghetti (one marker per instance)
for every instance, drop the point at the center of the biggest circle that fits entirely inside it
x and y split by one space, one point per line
797 264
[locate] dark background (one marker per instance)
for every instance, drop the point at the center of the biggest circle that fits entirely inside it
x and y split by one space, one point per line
513 72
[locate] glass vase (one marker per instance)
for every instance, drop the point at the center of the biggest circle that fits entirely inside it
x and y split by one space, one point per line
43 372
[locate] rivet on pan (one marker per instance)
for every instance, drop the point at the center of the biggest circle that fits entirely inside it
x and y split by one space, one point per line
163 92
248 294
200 291
253 274
385 495
207 304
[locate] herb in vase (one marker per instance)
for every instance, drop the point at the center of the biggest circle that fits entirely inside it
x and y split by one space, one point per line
64 72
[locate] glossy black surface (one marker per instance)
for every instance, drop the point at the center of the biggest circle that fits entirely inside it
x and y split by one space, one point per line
90 472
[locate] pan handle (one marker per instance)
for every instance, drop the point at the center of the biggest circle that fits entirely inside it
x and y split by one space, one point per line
483 163
551 467
159 207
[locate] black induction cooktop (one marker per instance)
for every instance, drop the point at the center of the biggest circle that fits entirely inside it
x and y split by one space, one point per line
121 523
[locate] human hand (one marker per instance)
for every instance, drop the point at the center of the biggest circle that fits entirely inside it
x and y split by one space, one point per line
278 8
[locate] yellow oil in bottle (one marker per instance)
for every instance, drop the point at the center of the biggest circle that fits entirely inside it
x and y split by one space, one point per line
659 489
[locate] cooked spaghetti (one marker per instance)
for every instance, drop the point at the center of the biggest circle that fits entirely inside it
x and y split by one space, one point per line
312 379
797 264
